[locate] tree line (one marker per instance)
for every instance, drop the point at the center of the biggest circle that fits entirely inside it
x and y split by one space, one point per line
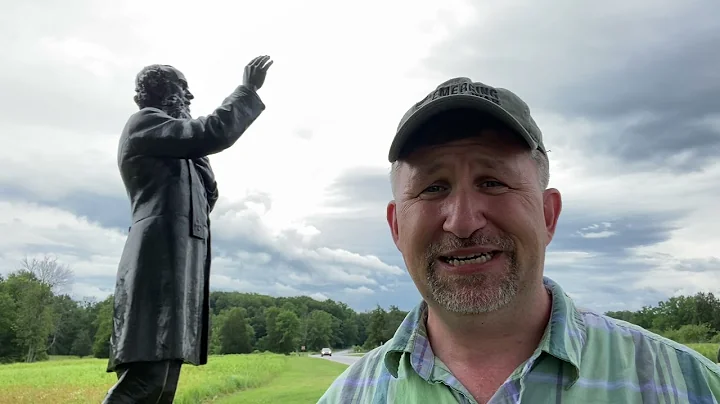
685 319
37 319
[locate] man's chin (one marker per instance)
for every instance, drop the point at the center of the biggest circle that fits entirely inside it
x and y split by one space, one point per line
460 295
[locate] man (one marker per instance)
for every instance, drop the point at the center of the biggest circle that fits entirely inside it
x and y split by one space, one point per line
161 295
472 216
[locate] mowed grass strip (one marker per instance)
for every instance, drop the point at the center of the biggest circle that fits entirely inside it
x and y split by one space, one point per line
303 381
85 380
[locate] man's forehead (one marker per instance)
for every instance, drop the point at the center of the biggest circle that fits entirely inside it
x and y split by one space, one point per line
430 166
494 146
478 152
175 72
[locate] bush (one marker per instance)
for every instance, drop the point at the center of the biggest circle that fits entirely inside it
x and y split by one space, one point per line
691 334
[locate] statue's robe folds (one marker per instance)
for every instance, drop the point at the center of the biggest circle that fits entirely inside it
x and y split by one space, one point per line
161 305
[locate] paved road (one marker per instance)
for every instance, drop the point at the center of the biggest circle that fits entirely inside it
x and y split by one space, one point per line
341 357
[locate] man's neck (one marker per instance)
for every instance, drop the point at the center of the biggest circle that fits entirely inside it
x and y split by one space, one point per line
508 336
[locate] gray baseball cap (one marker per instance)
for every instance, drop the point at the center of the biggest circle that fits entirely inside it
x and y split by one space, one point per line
461 92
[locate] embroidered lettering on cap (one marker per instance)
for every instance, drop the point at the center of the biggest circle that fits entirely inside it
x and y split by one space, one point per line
456 88
477 90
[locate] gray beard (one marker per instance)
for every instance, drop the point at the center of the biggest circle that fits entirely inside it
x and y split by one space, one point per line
176 107
475 293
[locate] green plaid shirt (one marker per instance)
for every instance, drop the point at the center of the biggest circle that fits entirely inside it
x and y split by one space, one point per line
583 358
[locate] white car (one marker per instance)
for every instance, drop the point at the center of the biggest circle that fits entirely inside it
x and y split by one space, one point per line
326 351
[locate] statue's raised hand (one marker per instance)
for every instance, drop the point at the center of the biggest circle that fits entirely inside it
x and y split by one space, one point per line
255 71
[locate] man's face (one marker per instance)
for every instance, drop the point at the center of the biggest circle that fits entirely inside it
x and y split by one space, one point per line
180 95
472 222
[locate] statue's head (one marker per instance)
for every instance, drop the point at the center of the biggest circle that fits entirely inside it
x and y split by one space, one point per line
163 87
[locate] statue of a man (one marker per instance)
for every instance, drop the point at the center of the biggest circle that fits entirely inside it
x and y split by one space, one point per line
161 312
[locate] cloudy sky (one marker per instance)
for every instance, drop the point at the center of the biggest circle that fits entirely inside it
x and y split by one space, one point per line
627 95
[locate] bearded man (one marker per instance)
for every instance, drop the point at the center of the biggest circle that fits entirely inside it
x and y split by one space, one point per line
161 305
472 216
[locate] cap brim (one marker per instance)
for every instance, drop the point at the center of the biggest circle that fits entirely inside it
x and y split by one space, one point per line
443 104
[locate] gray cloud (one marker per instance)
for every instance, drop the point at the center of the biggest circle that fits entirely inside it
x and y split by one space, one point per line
648 71
109 211
361 188
580 230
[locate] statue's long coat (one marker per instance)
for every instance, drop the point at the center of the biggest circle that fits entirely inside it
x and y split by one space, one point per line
161 308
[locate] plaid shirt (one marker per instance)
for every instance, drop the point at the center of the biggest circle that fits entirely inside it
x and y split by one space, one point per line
583 357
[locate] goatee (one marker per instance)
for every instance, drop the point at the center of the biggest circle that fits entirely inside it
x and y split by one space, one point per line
475 293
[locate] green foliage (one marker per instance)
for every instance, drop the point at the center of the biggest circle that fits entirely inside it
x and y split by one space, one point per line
235 333
319 326
691 334
103 327
684 319
33 318
83 345
286 334
377 328
9 348
35 322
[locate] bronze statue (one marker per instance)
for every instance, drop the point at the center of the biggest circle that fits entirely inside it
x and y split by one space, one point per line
161 306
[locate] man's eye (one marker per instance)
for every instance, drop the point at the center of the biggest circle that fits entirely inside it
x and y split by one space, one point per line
491 184
432 189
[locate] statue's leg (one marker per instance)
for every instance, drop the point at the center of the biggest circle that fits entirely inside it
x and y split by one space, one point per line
139 383
171 383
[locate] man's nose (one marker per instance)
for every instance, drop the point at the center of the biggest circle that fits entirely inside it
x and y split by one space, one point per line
464 211
189 95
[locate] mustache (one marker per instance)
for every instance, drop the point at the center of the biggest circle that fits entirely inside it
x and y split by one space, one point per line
450 242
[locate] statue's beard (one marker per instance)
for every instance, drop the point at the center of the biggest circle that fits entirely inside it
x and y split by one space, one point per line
176 107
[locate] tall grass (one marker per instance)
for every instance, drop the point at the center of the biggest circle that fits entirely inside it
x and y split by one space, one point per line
65 381
708 350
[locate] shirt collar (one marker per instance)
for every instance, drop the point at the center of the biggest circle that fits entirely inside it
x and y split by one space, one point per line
564 337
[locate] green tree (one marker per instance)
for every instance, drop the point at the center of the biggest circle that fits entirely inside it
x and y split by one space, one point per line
217 321
350 330
83 345
319 330
103 325
69 319
236 334
393 318
9 348
33 315
376 328
283 330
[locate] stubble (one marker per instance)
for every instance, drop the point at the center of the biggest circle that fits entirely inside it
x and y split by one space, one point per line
474 293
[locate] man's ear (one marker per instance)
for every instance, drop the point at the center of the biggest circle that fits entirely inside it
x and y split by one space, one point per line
392 221
552 205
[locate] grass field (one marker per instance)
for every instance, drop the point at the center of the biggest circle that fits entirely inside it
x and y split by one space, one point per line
65 381
304 381
252 379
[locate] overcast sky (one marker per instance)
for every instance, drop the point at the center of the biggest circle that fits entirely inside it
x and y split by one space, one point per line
627 95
